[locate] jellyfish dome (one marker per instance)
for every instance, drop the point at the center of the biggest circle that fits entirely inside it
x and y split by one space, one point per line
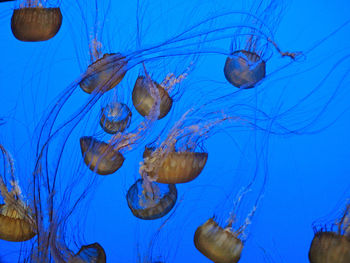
33 22
144 101
244 69
104 74
329 247
115 117
93 253
151 200
217 244
14 226
174 167
99 156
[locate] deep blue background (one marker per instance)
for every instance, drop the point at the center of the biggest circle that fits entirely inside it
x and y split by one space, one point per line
308 173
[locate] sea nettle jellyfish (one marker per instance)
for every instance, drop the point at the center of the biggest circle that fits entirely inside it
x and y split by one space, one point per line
36 20
332 246
93 253
16 221
179 158
225 244
251 45
151 200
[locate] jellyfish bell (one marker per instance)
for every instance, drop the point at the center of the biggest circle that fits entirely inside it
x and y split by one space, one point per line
244 69
151 200
218 244
176 167
144 101
14 224
329 247
115 117
104 74
34 21
93 253
99 156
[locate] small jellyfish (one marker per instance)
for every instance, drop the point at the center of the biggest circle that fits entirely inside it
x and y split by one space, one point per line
151 200
104 73
99 156
93 253
250 50
35 20
218 244
16 222
244 69
115 117
329 246
144 100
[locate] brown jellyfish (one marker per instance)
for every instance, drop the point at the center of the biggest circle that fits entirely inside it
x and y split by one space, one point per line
218 244
104 73
99 156
175 167
16 221
93 253
34 20
115 117
328 246
151 200
144 100
178 158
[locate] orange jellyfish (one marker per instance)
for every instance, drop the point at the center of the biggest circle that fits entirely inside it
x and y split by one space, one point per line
179 157
93 253
218 244
332 246
245 67
16 221
35 20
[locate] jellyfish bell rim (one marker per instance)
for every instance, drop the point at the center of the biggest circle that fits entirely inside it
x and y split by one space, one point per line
87 144
25 28
147 214
204 241
236 81
324 243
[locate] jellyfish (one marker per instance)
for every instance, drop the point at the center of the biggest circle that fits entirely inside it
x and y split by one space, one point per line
35 20
218 244
115 117
179 157
16 220
143 99
332 246
93 253
151 200
245 67
100 156
104 73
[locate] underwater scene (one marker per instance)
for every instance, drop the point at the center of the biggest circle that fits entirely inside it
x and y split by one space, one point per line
175 131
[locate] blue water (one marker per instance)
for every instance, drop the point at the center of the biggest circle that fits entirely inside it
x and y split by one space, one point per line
303 155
